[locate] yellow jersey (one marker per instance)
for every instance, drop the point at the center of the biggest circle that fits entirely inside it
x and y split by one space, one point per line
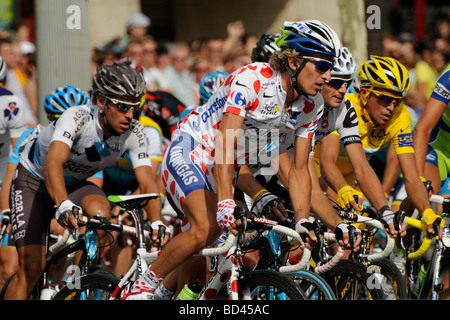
397 130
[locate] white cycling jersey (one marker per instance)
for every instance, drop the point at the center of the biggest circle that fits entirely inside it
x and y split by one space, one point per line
79 128
12 124
344 120
254 92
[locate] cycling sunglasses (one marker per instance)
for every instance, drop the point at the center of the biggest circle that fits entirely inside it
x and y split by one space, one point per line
339 83
124 106
386 99
321 64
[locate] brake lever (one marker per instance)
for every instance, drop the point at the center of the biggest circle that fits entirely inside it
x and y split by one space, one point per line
399 217
436 226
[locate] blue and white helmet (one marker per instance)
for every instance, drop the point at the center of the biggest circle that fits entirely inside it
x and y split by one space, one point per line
309 37
63 98
209 84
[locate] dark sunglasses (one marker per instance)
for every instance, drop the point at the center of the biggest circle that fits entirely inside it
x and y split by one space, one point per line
321 64
124 106
386 99
339 83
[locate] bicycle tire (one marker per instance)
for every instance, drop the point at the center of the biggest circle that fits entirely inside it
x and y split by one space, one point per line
393 283
314 286
269 285
350 281
102 282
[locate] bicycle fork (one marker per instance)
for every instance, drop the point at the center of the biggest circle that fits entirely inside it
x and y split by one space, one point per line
223 270
435 271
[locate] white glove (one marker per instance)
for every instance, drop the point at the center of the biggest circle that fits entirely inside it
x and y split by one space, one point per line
155 226
264 204
65 210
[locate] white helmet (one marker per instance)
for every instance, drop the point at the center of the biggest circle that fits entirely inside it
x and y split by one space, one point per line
345 63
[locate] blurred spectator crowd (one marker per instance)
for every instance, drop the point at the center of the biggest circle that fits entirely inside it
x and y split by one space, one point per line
177 67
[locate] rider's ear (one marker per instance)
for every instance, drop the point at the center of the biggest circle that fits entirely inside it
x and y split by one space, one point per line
293 63
101 100
364 95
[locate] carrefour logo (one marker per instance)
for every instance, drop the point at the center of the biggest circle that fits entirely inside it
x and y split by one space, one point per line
240 99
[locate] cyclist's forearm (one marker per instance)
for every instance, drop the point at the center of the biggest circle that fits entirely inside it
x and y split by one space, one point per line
420 151
247 182
371 187
320 205
391 171
54 181
417 192
332 175
6 186
300 191
223 175
283 164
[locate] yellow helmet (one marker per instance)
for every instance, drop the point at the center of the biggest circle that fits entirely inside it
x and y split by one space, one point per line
384 72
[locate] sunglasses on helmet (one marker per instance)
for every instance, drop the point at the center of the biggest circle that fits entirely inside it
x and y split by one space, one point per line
124 106
386 99
339 83
321 64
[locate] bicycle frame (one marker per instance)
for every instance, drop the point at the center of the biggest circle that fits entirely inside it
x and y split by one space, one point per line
226 260
432 285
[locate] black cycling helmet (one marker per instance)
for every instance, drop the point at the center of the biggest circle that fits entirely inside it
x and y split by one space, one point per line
264 49
118 81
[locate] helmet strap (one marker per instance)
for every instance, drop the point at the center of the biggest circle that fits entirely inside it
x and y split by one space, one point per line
106 123
295 76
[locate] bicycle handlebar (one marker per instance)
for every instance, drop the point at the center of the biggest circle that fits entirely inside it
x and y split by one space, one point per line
333 261
231 240
6 220
426 243
94 223
268 225
375 223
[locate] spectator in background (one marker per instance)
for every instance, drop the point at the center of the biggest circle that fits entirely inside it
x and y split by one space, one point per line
11 53
134 51
180 79
406 54
250 41
101 55
137 27
233 44
214 51
234 62
426 72
200 67
30 88
153 75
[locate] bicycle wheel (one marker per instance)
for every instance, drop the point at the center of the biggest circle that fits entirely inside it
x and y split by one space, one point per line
350 281
314 286
97 285
390 278
268 285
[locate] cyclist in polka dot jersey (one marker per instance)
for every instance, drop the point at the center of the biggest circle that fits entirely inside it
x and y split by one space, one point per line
256 107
